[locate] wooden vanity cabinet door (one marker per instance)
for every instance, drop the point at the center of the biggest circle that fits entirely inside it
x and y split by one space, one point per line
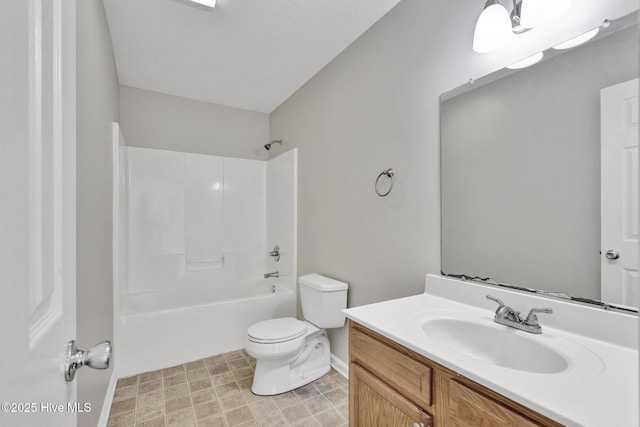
469 408
372 403
405 374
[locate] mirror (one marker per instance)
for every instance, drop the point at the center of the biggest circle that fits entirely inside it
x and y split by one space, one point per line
521 174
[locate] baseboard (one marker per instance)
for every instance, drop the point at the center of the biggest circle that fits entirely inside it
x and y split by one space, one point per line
108 400
340 366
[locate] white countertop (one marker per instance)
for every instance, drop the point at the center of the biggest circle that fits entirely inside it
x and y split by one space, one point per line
599 388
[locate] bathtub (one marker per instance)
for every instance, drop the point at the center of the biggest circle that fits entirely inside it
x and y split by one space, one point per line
157 330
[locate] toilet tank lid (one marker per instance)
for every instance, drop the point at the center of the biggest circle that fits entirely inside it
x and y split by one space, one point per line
322 283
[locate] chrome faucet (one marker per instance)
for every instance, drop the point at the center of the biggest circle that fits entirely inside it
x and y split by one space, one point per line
274 274
507 316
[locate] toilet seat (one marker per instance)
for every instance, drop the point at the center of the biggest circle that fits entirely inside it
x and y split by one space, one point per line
277 330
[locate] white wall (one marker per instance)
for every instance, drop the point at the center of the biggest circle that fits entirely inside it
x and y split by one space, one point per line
97 108
376 107
155 120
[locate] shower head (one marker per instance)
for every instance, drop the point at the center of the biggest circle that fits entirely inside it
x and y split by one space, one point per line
268 145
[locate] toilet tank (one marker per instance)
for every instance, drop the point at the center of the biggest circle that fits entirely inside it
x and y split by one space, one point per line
323 300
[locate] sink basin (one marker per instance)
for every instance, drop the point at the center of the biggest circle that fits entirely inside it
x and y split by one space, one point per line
495 344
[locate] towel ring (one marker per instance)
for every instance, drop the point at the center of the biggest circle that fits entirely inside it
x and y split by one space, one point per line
389 174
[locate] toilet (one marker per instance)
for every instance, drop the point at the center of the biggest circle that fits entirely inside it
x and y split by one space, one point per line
289 352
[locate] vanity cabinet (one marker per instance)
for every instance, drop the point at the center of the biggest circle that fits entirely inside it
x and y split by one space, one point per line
390 385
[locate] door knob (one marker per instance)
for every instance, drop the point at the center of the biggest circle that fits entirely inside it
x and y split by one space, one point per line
97 357
612 254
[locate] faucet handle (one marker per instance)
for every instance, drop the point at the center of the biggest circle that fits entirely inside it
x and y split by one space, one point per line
494 299
275 253
505 312
532 319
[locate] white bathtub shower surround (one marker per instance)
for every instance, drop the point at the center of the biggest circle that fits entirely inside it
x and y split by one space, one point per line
204 214
120 222
189 212
196 232
282 222
155 335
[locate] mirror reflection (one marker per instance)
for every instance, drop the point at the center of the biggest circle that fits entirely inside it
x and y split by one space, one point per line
540 173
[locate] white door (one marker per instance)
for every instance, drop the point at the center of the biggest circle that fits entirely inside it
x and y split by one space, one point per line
37 210
619 194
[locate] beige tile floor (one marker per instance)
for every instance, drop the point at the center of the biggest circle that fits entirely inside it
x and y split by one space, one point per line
216 392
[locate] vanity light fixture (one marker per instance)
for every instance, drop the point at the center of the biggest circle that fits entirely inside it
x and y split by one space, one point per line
526 62
495 26
208 3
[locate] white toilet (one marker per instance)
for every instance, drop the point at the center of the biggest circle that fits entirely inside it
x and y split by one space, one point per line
289 352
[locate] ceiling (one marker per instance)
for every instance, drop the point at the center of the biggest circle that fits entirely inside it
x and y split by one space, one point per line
250 54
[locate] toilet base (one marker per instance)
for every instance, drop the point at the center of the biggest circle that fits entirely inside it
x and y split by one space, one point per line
280 376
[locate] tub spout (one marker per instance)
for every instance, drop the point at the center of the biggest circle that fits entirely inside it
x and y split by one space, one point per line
274 274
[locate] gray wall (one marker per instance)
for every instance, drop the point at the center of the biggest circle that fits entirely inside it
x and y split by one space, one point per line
373 107
521 171
97 108
155 120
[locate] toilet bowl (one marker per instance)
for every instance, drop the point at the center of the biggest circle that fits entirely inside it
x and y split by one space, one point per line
291 353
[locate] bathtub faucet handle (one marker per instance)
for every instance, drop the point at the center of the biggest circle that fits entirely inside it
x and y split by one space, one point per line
275 253
274 274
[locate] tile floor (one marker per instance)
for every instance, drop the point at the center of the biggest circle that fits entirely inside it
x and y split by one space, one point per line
216 392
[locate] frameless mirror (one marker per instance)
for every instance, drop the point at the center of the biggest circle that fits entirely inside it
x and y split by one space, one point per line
539 173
